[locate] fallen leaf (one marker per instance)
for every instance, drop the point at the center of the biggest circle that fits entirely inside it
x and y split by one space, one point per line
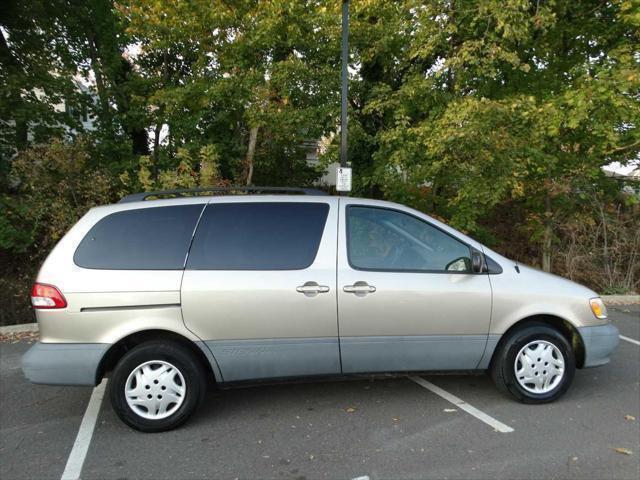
631 418
350 410
624 451
449 410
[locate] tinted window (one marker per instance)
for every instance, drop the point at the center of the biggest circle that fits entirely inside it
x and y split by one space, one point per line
380 239
145 239
258 236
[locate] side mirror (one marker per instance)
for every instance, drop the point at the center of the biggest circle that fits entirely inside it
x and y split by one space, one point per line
477 262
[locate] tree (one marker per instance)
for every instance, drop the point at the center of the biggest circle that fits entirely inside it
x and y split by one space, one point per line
34 75
253 78
484 102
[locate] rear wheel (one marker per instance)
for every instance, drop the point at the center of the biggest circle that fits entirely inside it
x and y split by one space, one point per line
156 386
534 364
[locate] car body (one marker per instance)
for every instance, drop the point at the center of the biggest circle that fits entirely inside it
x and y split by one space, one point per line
256 287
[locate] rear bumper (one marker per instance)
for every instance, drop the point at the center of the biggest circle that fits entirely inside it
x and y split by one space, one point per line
599 344
63 363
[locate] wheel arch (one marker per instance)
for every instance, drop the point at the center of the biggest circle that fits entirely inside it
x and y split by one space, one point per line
122 346
565 327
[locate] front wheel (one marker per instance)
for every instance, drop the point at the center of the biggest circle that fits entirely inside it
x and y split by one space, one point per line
534 364
156 386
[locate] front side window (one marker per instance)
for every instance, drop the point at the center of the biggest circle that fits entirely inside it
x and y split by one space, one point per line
258 236
143 239
389 240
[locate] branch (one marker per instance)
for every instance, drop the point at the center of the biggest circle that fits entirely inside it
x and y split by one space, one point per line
623 148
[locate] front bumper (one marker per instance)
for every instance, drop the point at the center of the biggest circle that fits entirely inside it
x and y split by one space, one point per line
599 344
63 363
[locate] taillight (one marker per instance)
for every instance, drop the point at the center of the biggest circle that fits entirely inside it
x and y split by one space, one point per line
47 296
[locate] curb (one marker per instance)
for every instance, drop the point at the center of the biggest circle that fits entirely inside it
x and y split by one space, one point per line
620 299
21 328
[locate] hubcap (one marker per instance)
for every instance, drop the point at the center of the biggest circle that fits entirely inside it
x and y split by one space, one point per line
155 389
539 366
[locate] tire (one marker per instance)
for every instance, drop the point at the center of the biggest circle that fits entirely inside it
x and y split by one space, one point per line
537 348
166 371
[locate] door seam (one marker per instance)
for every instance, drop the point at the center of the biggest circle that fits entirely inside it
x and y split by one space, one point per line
338 288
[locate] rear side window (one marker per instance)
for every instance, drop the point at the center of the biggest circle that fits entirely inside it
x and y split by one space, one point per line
145 239
258 236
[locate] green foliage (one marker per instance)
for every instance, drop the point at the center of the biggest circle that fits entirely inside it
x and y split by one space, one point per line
463 106
56 185
202 171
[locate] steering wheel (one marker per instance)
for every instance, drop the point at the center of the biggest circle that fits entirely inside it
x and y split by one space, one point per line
394 255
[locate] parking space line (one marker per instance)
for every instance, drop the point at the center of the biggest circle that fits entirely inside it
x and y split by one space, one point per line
636 342
81 446
489 420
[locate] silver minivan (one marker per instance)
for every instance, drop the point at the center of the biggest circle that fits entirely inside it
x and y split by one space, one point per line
170 293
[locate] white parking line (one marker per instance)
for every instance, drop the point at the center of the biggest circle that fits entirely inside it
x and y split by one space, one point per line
492 422
630 340
83 440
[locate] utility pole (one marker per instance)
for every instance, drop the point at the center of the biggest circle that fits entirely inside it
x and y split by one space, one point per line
343 174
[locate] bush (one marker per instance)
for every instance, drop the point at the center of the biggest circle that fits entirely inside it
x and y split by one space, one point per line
602 249
52 186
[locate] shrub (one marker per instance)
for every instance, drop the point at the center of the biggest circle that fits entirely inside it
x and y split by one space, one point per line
52 186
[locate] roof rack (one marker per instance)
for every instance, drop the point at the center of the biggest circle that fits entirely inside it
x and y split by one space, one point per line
138 197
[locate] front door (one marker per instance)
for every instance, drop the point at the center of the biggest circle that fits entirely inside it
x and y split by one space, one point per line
259 287
407 297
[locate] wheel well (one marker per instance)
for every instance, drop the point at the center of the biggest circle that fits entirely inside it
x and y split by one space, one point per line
118 349
563 326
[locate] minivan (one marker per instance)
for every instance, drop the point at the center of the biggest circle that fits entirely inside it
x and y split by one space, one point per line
166 295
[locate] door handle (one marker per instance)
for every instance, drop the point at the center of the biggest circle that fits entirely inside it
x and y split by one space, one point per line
311 289
359 288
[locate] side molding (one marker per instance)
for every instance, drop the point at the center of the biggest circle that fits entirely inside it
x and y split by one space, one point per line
275 357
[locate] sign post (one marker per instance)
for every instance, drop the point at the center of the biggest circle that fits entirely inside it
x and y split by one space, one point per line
341 172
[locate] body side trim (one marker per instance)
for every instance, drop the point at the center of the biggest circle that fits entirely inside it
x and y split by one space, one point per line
275 358
492 343
412 353
129 307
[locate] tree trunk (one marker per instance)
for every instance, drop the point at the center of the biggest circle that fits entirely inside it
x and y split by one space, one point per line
13 97
546 247
101 88
156 150
548 236
251 151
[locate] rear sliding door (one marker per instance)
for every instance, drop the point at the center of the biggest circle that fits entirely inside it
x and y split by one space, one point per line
259 287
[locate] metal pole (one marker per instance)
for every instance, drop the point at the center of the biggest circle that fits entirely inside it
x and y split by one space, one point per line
345 88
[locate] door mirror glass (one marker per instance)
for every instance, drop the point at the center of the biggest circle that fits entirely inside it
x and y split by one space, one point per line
461 264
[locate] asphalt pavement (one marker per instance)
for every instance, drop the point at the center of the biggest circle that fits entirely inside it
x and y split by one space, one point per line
381 428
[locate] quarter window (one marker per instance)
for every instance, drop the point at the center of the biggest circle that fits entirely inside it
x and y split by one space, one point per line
143 239
258 236
383 239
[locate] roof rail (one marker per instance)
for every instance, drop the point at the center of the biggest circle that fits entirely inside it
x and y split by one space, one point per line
138 197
